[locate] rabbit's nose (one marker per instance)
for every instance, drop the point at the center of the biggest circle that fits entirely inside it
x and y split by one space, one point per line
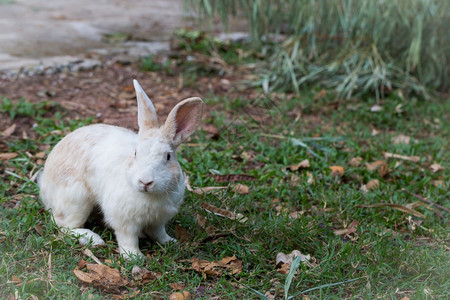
147 184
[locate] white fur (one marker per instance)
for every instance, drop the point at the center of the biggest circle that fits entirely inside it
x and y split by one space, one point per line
138 194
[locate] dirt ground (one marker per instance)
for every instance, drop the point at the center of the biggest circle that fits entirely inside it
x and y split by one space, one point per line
106 94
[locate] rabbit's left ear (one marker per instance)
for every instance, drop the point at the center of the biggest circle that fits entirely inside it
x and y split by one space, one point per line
147 118
183 120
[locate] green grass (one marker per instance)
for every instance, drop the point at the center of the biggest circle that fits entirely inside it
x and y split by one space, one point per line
352 47
392 254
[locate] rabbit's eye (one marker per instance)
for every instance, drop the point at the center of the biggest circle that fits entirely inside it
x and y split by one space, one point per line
168 156
134 153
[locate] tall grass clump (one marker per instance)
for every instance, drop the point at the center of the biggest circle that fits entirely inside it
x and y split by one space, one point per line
352 46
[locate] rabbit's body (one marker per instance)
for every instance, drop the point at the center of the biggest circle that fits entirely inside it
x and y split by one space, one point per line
134 179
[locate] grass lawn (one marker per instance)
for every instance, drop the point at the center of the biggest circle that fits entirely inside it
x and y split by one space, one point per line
393 251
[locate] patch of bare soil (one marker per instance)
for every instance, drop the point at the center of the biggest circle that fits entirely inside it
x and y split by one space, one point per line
105 93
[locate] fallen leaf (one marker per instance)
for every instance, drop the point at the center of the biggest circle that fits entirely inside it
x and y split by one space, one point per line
223 212
81 264
102 277
379 165
395 206
295 180
8 131
311 180
247 156
351 228
177 286
233 178
301 165
295 214
287 258
372 184
240 188
201 220
337 171
401 139
320 94
144 275
6 156
438 183
404 157
355 161
436 168
181 234
180 295
216 268
15 280
284 269
40 155
284 261
376 108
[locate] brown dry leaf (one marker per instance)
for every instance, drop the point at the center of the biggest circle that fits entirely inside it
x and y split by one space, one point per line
240 188
180 295
144 276
247 156
372 184
8 131
404 157
126 295
395 206
295 214
6 156
438 183
301 165
212 130
40 155
215 268
311 180
201 220
81 264
223 212
337 171
295 180
287 258
351 228
401 139
233 178
320 94
102 277
15 280
379 165
284 269
181 234
436 168
177 286
356 161
284 261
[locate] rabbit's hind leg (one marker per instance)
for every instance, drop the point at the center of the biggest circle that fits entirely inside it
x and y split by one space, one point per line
71 210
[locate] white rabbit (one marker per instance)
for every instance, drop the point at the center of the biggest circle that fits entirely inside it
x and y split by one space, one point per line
134 179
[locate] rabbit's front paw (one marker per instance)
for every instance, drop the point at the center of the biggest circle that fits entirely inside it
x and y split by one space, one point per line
86 236
132 254
159 234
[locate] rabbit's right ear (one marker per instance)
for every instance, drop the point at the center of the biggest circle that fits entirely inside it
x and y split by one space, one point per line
147 118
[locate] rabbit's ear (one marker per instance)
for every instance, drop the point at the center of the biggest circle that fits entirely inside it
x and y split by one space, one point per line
183 120
147 117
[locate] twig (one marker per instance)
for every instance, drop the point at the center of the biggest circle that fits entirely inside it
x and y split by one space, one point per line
91 255
49 274
427 201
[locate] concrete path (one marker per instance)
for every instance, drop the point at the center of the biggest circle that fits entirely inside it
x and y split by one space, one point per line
36 32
